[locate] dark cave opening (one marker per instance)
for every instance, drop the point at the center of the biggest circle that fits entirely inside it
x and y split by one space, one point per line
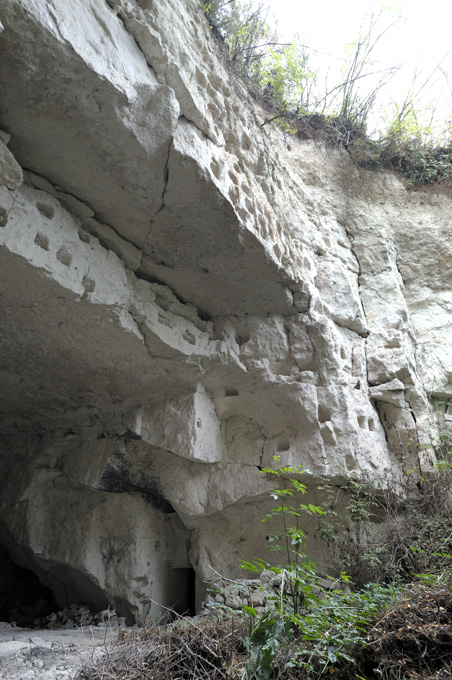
183 583
23 598
30 599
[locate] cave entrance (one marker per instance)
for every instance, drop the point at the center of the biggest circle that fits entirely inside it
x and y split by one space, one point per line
183 591
23 598
29 596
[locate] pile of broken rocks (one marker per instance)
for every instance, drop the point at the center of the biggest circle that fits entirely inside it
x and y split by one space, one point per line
42 642
73 616
37 645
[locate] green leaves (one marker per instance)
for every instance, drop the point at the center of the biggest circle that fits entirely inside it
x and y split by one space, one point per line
284 76
303 100
267 633
325 631
289 509
250 610
256 567
317 628
336 625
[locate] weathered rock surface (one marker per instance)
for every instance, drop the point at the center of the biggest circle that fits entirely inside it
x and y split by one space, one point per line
49 655
184 295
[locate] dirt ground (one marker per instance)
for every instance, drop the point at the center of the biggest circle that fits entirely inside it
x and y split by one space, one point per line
49 654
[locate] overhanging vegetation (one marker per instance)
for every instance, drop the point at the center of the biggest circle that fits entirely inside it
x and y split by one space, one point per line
280 76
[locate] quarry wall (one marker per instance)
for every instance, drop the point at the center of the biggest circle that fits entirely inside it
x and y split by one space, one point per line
185 293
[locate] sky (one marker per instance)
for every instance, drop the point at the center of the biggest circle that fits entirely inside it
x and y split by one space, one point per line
420 39
328 24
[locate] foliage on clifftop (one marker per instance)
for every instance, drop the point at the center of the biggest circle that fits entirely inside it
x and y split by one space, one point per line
280 76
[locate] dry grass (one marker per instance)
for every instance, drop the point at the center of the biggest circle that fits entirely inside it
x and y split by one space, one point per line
185 649
410 641
413 640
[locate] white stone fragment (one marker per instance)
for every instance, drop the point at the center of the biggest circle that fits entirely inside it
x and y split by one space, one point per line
187 426
11 175
392 392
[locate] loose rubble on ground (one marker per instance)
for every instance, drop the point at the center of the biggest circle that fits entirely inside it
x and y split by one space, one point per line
55 645
257 592
38 644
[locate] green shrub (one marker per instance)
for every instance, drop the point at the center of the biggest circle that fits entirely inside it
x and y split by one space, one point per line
310 627
319 630
399 534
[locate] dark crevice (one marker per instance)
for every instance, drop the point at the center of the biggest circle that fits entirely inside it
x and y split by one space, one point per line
123 19
396 261
183 117
98 218
203 315
166 172
165 188
351 239
127 436
59 195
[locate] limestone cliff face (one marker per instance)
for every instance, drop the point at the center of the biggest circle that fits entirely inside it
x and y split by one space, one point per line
185 294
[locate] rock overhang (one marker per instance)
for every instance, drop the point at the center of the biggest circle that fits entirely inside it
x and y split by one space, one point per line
184 298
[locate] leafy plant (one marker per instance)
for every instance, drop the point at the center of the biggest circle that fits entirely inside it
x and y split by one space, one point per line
299 98
400 534
314 627
247 35
312 630
266 635
289 509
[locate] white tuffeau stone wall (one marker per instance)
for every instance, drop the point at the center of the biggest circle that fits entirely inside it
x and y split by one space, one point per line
185 294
